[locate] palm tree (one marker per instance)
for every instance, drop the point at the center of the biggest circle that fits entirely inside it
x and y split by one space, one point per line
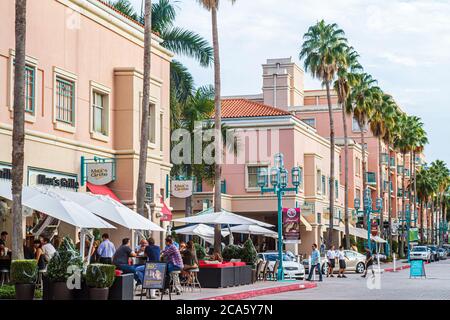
141 189
442 174
323 50
343 84
362 99
424 184
212 6
382 118
18 138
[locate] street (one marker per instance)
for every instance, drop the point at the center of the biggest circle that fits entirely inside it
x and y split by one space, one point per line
393 285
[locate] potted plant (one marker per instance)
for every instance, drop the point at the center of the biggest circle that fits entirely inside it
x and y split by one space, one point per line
232 251
99 278
200 251
24 275
250 256
62 265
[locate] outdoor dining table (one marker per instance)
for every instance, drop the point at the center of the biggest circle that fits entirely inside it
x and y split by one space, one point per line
139 260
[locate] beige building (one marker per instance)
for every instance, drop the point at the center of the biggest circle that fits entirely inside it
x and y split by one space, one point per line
83 100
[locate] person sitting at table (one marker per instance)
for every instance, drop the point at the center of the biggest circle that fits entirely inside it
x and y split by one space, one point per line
182 246
3 250
216 257
172 256
141 247
190 260
106 250
47 248
152 253
122 255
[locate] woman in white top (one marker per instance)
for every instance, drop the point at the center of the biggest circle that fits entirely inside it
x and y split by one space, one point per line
342 264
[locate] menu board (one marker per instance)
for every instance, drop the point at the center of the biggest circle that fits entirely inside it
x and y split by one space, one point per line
417 268
154 275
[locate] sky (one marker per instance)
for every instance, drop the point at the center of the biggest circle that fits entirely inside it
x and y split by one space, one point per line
404 44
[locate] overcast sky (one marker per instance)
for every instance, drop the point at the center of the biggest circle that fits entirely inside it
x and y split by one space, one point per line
404 44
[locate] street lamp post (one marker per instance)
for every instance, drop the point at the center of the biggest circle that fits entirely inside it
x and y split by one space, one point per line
368 211
279 181
408 221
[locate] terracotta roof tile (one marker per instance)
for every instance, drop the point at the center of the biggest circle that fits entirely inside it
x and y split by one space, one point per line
243 108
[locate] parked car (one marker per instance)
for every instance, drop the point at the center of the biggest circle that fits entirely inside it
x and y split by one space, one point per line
420 253
442 253
434 254
447 247
291 266
355 261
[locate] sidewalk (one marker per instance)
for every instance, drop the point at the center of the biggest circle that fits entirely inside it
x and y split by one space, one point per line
259 288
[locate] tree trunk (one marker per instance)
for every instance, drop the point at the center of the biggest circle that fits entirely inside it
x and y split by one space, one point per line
412 203
332 143
218 126
346 214
380 186
364 173
140 192
389 230
415 183
421 220
18 138
432 221
402 246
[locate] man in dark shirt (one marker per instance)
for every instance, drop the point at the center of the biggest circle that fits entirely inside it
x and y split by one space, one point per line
369 262
152 252
123 253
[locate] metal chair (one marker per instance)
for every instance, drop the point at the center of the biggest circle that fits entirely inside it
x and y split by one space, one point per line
273 274
265 271
258 269
191 281
175 280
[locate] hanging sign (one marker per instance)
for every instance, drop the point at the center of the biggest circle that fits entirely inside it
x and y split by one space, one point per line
100 173
374 227
181 188
291 224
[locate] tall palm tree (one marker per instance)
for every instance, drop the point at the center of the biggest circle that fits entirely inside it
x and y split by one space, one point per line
382 118
18 138
323 50
361 101
141 189
343 84
424 191
212 6
442 174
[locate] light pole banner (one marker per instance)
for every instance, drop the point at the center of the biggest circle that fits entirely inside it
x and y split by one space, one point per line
291 224
181 188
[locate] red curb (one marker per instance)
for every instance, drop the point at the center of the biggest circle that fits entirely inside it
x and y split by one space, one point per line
263 292
397 269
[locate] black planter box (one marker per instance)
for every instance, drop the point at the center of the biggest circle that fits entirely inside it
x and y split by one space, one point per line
122 288
216 277
245 275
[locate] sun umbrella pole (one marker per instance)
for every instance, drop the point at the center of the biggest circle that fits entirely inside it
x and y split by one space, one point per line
231 239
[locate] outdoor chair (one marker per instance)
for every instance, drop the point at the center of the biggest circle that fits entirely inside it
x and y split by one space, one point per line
174 281
265 271
191 281
272 275
259 266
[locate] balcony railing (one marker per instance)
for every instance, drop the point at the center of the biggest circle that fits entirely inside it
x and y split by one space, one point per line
371 178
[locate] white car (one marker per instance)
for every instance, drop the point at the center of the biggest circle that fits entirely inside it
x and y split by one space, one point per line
420 253
292 268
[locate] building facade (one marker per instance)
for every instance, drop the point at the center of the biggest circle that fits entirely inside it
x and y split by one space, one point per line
84 99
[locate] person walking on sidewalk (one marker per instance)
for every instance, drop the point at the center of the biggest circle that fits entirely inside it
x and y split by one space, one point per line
342 264
369 262
315 263
331 257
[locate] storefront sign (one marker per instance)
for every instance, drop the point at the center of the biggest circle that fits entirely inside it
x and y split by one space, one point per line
307 208
99 173
291 224
154 275
181 188
37 177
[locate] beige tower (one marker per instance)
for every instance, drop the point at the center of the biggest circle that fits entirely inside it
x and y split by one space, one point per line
283 83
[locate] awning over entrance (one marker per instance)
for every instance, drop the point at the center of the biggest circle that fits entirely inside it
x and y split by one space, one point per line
357 232
306 223
102 190
166 213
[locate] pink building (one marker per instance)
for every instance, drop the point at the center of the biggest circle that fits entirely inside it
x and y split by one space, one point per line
84 93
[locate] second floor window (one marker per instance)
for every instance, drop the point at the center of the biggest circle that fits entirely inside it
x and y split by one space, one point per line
324 185
149 192
311 122
65 100
30 82
99 113
252 176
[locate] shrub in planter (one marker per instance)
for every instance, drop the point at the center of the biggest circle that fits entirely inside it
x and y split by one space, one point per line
58 269
99 278
201 252
24 275
232 251
9 292
248 253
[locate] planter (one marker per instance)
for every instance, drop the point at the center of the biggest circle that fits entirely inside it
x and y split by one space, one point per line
61 292
122 288
24 291
98 293
254 275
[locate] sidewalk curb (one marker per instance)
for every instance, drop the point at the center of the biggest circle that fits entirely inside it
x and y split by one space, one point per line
396 269
263 292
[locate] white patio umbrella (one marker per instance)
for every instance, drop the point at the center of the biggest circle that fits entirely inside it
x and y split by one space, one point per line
112 210
55 205
254 230
208 216
200 230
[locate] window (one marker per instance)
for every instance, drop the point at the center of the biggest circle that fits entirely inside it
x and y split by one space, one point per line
198 185
355 126
358 193
161 132
310 122
336 188
358 166
149 192
30 88
324 185
65 100
99 113
318 180
252 176
152 123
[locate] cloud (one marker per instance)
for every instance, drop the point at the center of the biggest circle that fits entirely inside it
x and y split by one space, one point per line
401 60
